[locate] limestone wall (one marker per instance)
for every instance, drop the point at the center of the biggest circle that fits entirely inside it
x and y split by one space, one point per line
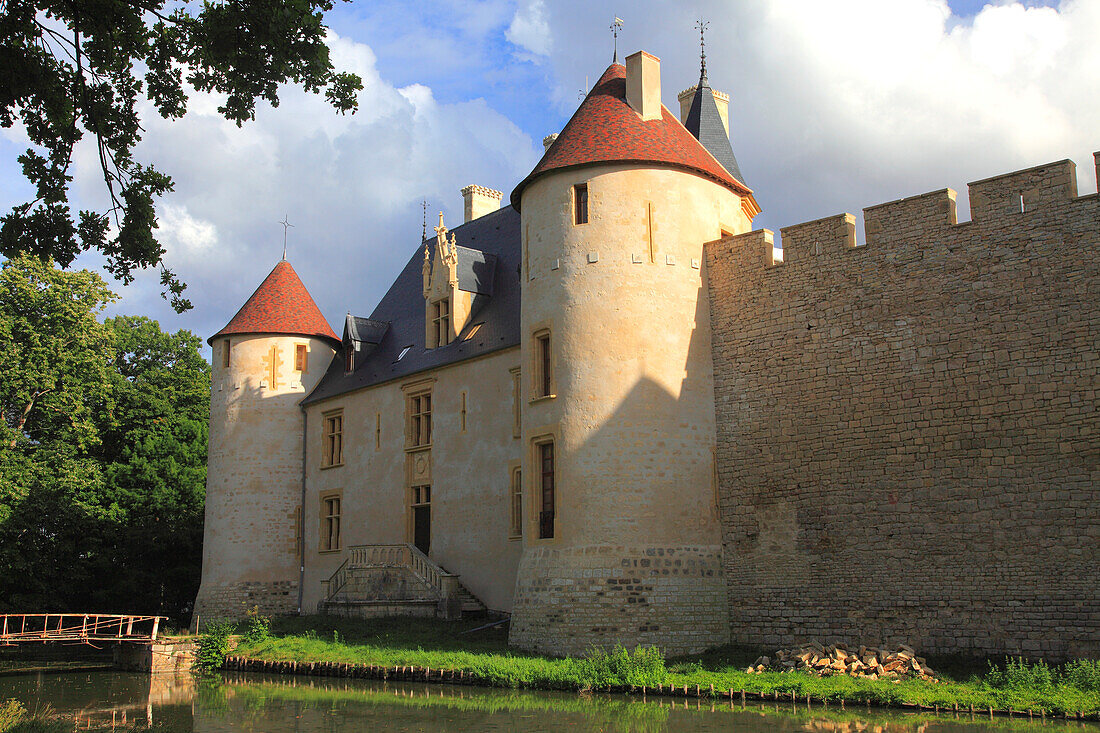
635 553
908 437
469 472
254 475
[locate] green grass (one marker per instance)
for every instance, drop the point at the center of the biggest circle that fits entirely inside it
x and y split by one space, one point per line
485 654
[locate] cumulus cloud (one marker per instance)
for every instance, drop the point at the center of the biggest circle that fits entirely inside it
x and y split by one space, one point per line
350 185
529 30
840 105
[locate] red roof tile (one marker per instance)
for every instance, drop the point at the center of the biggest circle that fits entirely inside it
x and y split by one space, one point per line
605 129
280 305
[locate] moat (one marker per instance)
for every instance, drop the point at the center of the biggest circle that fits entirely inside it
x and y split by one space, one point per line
98 700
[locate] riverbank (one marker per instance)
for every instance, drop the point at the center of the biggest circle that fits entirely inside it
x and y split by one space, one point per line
446 651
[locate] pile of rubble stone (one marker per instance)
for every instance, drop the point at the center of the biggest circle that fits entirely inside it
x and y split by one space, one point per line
867 662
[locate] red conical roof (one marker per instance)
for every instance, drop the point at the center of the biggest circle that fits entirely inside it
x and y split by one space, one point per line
605 129
280 305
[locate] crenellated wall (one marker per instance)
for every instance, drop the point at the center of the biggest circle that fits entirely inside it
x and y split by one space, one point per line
908 436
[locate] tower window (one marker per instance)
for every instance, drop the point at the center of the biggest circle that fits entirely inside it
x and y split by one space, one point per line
225 353
301 357
580 203
330 523
543 365
516 504
419 431
332 443
441 321
545 454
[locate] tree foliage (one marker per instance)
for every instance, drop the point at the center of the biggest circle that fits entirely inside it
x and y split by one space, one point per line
102 478
69 68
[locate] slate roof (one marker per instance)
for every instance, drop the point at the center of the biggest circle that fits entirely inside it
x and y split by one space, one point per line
494 241
281 305
605 129
704 122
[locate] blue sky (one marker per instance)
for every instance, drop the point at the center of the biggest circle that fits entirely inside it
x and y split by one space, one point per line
835 106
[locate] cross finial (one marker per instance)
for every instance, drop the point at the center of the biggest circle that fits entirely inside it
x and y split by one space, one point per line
616 26
702 26
286 225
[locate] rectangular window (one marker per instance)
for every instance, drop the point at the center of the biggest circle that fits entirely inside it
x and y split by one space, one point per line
349 359
420 517
545 455
441 320
332 444
301 358
377 430
517 395
516 505
225 353
419 420
462 415
580 203
330 523
543 365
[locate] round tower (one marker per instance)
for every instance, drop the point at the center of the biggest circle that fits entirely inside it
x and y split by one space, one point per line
622 541
269 356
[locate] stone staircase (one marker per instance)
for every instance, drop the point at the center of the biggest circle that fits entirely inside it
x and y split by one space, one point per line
394 580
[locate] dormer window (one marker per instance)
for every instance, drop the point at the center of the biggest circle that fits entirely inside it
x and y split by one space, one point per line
349 359
441 321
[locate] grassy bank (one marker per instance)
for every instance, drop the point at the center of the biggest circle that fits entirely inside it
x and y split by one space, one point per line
486 656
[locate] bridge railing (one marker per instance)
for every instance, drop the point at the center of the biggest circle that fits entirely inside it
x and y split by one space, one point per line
18 628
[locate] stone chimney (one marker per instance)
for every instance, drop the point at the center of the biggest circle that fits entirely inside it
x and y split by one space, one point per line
548 141
477 201
722 101
643 84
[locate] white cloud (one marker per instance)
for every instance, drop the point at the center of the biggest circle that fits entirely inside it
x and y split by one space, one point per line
530 30
184 237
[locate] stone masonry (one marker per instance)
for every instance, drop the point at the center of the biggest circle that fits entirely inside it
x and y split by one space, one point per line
908 436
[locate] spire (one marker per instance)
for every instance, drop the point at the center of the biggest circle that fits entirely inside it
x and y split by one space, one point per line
702 26
286 225
616 26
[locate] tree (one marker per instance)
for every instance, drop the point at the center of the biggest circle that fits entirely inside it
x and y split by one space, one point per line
70 67
102 479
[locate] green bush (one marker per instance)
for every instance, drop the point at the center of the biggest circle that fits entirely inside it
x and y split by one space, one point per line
1083 674
213 646
643 666
11 713
1019 674
257 627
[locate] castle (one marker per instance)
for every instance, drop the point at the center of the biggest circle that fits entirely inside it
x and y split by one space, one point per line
613 411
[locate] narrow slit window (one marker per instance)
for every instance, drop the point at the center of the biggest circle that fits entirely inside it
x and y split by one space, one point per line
516 504
580 203
225 353
543 366
377 430
349 359
546 490
301 358
517 409
462 415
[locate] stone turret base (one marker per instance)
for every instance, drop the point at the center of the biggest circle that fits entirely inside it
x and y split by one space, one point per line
235 600
569 600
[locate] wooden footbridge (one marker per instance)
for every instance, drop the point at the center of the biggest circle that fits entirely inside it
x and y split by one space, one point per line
22 628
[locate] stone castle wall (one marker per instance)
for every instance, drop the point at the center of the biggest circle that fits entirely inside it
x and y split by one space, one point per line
908 436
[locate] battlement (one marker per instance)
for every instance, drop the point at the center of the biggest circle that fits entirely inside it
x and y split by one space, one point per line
1010 205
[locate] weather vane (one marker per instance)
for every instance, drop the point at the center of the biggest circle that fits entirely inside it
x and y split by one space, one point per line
286 225
615 28
702 26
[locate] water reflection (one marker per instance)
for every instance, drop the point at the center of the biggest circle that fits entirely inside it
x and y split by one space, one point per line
276 704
